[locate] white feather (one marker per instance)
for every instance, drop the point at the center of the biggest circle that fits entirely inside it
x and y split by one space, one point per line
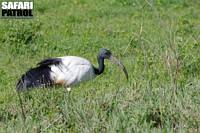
72 70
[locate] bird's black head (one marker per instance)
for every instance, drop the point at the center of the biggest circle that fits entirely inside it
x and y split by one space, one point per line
105 53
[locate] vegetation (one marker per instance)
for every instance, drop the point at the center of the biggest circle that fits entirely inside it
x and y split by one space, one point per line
158 41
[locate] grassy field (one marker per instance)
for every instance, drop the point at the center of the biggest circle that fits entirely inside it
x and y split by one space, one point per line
158 41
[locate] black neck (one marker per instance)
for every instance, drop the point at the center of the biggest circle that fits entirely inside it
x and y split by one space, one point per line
99 70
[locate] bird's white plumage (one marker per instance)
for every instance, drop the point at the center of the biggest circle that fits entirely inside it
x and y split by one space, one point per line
72 70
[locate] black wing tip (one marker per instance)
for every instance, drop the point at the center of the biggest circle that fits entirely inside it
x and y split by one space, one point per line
21 84
34 77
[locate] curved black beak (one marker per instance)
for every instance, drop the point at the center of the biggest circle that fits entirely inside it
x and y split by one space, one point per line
120 64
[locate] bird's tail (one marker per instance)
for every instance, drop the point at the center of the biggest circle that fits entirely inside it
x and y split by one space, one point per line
35 77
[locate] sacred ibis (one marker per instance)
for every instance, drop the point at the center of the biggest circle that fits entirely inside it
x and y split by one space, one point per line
67 71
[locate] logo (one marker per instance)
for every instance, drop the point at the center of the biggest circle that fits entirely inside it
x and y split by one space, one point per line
16 9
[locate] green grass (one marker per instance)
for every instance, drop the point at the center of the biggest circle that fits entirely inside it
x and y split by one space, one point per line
158 41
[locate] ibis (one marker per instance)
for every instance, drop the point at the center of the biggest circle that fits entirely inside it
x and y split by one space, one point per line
67 71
